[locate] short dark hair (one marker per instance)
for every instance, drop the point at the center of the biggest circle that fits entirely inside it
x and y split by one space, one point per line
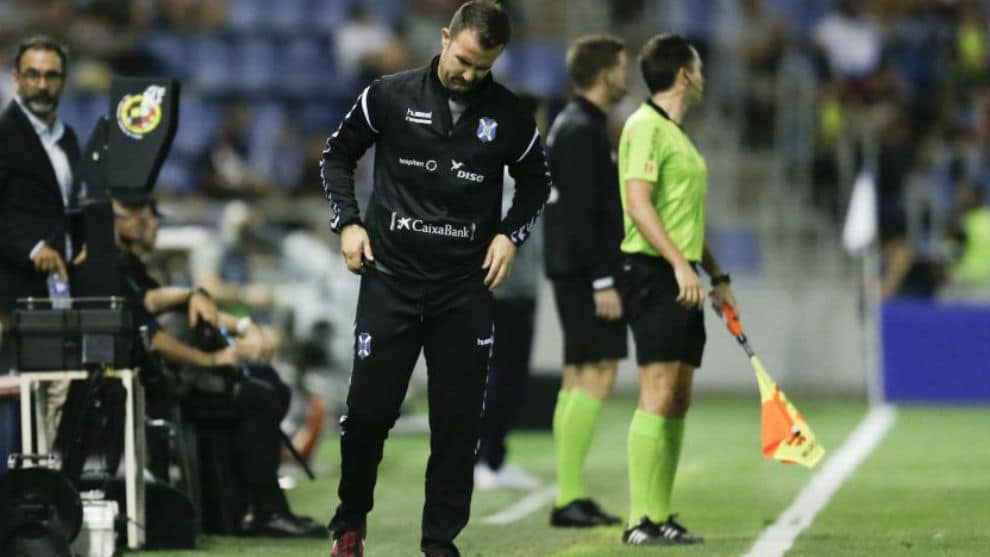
41 42
485 17
661 58
591 54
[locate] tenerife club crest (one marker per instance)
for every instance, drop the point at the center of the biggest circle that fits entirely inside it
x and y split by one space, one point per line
486 130
138 115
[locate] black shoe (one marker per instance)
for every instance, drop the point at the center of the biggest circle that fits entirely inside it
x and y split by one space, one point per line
281 525
582 513
665 533
348 543
677 533
441 550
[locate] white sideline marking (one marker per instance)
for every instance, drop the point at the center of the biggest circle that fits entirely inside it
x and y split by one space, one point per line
524 506
780 536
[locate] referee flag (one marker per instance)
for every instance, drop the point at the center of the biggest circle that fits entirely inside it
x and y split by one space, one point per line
785 434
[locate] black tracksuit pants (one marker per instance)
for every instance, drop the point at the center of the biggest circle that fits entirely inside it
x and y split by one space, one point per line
507 378
396 318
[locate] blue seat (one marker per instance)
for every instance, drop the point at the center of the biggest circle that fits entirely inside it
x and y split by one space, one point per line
256 64
322 117
81 111
326 15
211 61
289 16
247 15
306 67
542 70
176 176
199 123
390 11
171 51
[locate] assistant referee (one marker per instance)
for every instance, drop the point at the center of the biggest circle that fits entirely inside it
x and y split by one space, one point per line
431 245
663 184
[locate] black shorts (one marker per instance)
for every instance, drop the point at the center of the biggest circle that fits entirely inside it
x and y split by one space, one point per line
663 329
587 337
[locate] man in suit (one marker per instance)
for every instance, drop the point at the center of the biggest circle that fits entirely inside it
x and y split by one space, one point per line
37 152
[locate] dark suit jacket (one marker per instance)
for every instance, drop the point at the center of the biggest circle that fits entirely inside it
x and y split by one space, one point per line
31 206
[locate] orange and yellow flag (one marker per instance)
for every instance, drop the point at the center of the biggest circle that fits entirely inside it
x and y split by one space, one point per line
785 434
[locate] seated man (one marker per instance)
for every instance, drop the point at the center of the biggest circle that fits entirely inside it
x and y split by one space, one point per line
260 399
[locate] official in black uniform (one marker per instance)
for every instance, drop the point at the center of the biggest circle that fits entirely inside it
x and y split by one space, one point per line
583 232
431 245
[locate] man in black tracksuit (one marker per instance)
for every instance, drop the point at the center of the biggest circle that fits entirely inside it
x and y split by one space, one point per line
583 232
431 245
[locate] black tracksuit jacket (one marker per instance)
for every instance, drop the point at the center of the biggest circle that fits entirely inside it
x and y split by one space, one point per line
437 196
583 220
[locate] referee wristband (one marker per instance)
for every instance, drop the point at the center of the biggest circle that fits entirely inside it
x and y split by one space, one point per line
723 278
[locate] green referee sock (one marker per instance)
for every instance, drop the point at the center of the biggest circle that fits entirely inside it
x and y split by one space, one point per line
669 454
577 427
644 456
558 412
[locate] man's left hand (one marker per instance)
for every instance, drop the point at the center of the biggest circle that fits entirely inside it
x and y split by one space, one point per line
498 261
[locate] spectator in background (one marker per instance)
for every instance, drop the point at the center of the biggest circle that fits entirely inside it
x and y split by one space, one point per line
228 168
224 268
850 41
367 47
971 230
762 47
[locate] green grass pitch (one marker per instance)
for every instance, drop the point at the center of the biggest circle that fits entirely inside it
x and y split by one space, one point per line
924 491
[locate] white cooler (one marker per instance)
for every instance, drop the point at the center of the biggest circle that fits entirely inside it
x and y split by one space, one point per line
97 537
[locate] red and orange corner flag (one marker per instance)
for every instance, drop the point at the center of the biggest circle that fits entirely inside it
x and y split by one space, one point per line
785 434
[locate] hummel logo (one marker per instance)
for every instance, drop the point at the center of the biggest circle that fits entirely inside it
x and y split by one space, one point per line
454 165
486 341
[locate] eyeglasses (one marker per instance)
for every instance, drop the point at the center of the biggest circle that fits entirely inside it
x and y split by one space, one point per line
34 76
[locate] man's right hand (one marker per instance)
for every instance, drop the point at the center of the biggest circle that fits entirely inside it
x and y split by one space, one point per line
691 293
355 245
46 260
608 305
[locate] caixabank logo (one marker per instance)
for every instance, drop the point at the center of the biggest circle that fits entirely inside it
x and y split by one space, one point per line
139 114
400 223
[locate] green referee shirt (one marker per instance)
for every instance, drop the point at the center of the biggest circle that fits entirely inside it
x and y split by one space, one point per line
655 149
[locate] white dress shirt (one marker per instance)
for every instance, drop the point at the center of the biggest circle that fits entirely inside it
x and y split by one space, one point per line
50 136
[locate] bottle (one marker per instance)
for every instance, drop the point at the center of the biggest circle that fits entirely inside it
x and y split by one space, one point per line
58 292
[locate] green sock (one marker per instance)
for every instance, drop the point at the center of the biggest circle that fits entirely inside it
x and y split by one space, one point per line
558 412
669 454
577 427
644 452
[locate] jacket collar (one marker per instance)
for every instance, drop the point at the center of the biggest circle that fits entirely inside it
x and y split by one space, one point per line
591 109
